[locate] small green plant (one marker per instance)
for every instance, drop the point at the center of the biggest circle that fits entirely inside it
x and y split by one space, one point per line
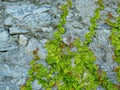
93 22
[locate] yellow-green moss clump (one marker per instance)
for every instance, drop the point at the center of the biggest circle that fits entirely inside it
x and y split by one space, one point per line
60 73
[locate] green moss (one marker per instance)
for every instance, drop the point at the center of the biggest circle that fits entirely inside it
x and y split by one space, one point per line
115 39
69 70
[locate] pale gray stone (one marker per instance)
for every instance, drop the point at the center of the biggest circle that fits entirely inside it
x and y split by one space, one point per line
68 38
21 81
103 50
42 9
7 88
85 10
25 10
31 17
100 88
19 12
45 29
37 21
4 36
32 45
8 48
8 21
43 41
22 40
16 30
40 2
36 86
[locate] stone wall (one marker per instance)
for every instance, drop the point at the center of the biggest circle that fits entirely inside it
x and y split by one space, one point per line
27 24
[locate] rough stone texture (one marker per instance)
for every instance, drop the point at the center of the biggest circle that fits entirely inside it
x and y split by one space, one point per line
36 86
27 24
22 40
32 45
103 50
8 21
16 30
4 35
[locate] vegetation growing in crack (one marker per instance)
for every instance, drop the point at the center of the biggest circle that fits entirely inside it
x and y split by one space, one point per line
60 73
115 40
101 75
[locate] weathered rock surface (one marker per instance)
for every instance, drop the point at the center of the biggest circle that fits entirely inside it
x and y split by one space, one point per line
27 24
32 45
4 35
16 30
22 40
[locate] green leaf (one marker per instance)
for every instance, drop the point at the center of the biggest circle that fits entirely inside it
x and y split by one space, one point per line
66 70
62 30
32 62
51 83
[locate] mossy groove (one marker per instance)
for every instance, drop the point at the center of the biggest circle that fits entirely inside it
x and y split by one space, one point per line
115 40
